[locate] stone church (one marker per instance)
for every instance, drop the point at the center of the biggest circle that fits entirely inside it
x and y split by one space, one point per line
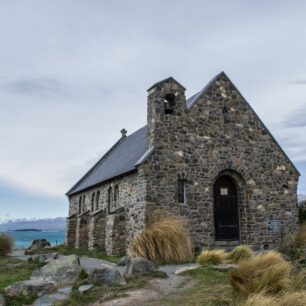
209 159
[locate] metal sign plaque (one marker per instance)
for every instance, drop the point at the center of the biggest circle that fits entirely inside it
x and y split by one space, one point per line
274 226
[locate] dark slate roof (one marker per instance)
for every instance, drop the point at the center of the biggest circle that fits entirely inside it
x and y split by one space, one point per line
121 159
165 80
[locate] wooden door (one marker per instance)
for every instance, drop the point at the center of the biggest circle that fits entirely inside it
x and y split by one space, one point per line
226 209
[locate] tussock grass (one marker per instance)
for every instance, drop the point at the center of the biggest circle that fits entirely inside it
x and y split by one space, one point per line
166 240
6 244
239 253
287 299
211 257
269 272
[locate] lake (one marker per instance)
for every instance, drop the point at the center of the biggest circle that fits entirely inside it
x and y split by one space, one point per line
24 239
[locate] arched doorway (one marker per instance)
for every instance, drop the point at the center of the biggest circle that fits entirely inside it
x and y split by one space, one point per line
226 209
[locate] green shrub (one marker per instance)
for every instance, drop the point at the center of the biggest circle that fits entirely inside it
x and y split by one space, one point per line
302 212
165 240
240 253
211 257
269 272
6 244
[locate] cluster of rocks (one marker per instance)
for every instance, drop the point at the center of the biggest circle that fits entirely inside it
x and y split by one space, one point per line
37 244
53 281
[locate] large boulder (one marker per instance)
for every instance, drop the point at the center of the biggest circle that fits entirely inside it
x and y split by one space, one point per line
28 287
37 244
138 266
50 299
65 269
106 276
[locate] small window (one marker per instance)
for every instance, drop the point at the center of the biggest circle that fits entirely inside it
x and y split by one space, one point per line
116 196
169 104
83 204
181 191
80 205
97 200
93 202
110 199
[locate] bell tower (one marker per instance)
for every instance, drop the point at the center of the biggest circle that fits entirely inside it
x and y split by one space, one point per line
166 105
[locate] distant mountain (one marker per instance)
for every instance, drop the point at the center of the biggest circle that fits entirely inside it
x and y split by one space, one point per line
56 224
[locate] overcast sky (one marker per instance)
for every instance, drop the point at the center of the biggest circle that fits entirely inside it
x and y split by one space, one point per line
73 73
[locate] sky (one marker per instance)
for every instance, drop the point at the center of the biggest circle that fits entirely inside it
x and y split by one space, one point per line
74 73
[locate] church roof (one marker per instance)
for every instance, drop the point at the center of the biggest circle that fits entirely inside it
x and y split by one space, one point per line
122 158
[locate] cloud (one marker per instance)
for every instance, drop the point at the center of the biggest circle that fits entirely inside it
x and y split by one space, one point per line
298 82
296 118
33 85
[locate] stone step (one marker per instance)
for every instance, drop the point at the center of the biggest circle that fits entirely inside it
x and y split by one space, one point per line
227 245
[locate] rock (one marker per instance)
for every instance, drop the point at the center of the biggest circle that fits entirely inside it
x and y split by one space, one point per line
123 261
37 244
43 257
65 269
224 267
28 287
84 288
65 290
138 266
2 300
106 276
185 269
50 299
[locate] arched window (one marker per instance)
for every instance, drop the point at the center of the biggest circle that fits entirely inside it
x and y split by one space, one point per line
97 200
93 202
80 205
169 104
116 196
83 204
110 199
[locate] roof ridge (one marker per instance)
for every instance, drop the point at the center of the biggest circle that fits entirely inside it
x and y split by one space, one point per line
190 101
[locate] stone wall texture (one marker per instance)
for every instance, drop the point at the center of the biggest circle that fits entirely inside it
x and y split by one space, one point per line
218 135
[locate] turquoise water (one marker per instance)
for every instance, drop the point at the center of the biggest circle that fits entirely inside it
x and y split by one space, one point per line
24 239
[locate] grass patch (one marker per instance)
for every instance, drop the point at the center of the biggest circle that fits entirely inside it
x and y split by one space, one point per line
165 240
269 272
207 287
64 250
13 270
211 257
239 253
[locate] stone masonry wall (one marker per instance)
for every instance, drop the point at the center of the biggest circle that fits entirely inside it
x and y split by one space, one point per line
131 199
219 133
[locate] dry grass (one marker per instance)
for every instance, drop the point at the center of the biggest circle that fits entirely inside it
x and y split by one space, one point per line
239 253
166 240
6 244
269 272
211 257
287 299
